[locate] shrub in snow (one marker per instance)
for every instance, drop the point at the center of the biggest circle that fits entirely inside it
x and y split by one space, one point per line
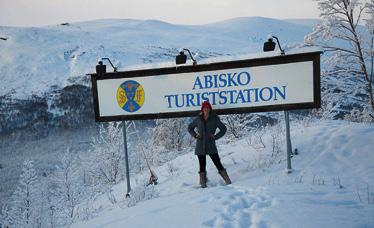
336 182
238 125
365 193
357 115
318 180
105 161
269 143
172 134
234 124
172 169
140 193
69 187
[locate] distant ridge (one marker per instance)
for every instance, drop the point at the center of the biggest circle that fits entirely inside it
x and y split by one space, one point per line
58 55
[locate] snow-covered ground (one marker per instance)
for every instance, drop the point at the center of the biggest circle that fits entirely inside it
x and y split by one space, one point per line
332 185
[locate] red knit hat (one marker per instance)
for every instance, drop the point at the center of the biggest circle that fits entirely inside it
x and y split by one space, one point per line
206 103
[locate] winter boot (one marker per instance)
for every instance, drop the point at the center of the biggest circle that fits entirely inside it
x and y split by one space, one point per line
203 179
225 176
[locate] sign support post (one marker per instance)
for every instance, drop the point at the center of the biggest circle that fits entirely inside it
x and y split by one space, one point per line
126 159
288 141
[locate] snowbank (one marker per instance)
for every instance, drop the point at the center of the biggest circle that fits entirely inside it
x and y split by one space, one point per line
331 185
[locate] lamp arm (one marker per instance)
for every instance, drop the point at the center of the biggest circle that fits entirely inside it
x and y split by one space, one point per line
194 61
280 48
114 68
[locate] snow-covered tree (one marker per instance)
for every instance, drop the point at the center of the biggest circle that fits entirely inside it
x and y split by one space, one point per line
106 156
49 200
24 209
341 32
370 51
68 187
172 133
236 124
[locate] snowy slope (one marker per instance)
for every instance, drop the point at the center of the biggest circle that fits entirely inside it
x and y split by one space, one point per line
332 185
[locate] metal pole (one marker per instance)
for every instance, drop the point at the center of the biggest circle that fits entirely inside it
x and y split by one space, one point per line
288 139
126 159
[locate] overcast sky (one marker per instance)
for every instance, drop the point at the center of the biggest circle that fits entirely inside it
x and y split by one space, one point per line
47 12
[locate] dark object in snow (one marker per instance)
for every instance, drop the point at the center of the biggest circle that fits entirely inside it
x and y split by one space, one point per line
65 24
3 38
152 179
296 151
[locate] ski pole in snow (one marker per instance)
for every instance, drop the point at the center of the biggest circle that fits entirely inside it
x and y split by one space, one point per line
153 178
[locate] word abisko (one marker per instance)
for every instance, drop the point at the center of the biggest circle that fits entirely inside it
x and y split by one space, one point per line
226 88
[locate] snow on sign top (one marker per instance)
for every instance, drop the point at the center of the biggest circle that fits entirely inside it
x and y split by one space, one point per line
255 83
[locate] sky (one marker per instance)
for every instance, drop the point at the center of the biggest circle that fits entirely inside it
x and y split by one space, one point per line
49 12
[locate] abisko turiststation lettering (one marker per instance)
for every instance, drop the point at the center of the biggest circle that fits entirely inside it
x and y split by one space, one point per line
226 88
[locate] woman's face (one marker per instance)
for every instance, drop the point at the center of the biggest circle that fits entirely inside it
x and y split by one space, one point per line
206 110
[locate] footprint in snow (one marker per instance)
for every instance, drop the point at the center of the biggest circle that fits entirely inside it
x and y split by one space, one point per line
240 208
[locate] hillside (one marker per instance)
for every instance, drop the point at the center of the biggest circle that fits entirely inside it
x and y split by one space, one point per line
63 54
331 185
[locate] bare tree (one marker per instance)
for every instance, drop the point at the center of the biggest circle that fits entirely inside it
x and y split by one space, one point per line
171 133
25 206
104 163
342 22
370 52
69 186
233 125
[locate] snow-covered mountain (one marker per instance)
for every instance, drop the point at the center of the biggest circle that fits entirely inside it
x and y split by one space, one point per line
35 59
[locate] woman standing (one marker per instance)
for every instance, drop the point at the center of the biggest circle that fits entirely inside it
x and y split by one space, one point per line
206 124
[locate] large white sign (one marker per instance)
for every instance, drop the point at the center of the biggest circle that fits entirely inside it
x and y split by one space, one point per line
240 88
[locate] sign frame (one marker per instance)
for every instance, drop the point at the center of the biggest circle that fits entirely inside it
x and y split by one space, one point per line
180 69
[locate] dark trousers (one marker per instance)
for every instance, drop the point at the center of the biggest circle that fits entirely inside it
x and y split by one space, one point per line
215 158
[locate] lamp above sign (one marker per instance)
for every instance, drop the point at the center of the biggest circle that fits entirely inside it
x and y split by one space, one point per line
250 85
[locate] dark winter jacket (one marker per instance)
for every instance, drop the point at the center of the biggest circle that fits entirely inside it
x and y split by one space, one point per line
206 133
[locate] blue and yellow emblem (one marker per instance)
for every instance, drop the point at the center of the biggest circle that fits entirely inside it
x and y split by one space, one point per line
130 96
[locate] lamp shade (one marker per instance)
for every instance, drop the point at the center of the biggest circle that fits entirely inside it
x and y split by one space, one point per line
100 68
181 58
269 45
